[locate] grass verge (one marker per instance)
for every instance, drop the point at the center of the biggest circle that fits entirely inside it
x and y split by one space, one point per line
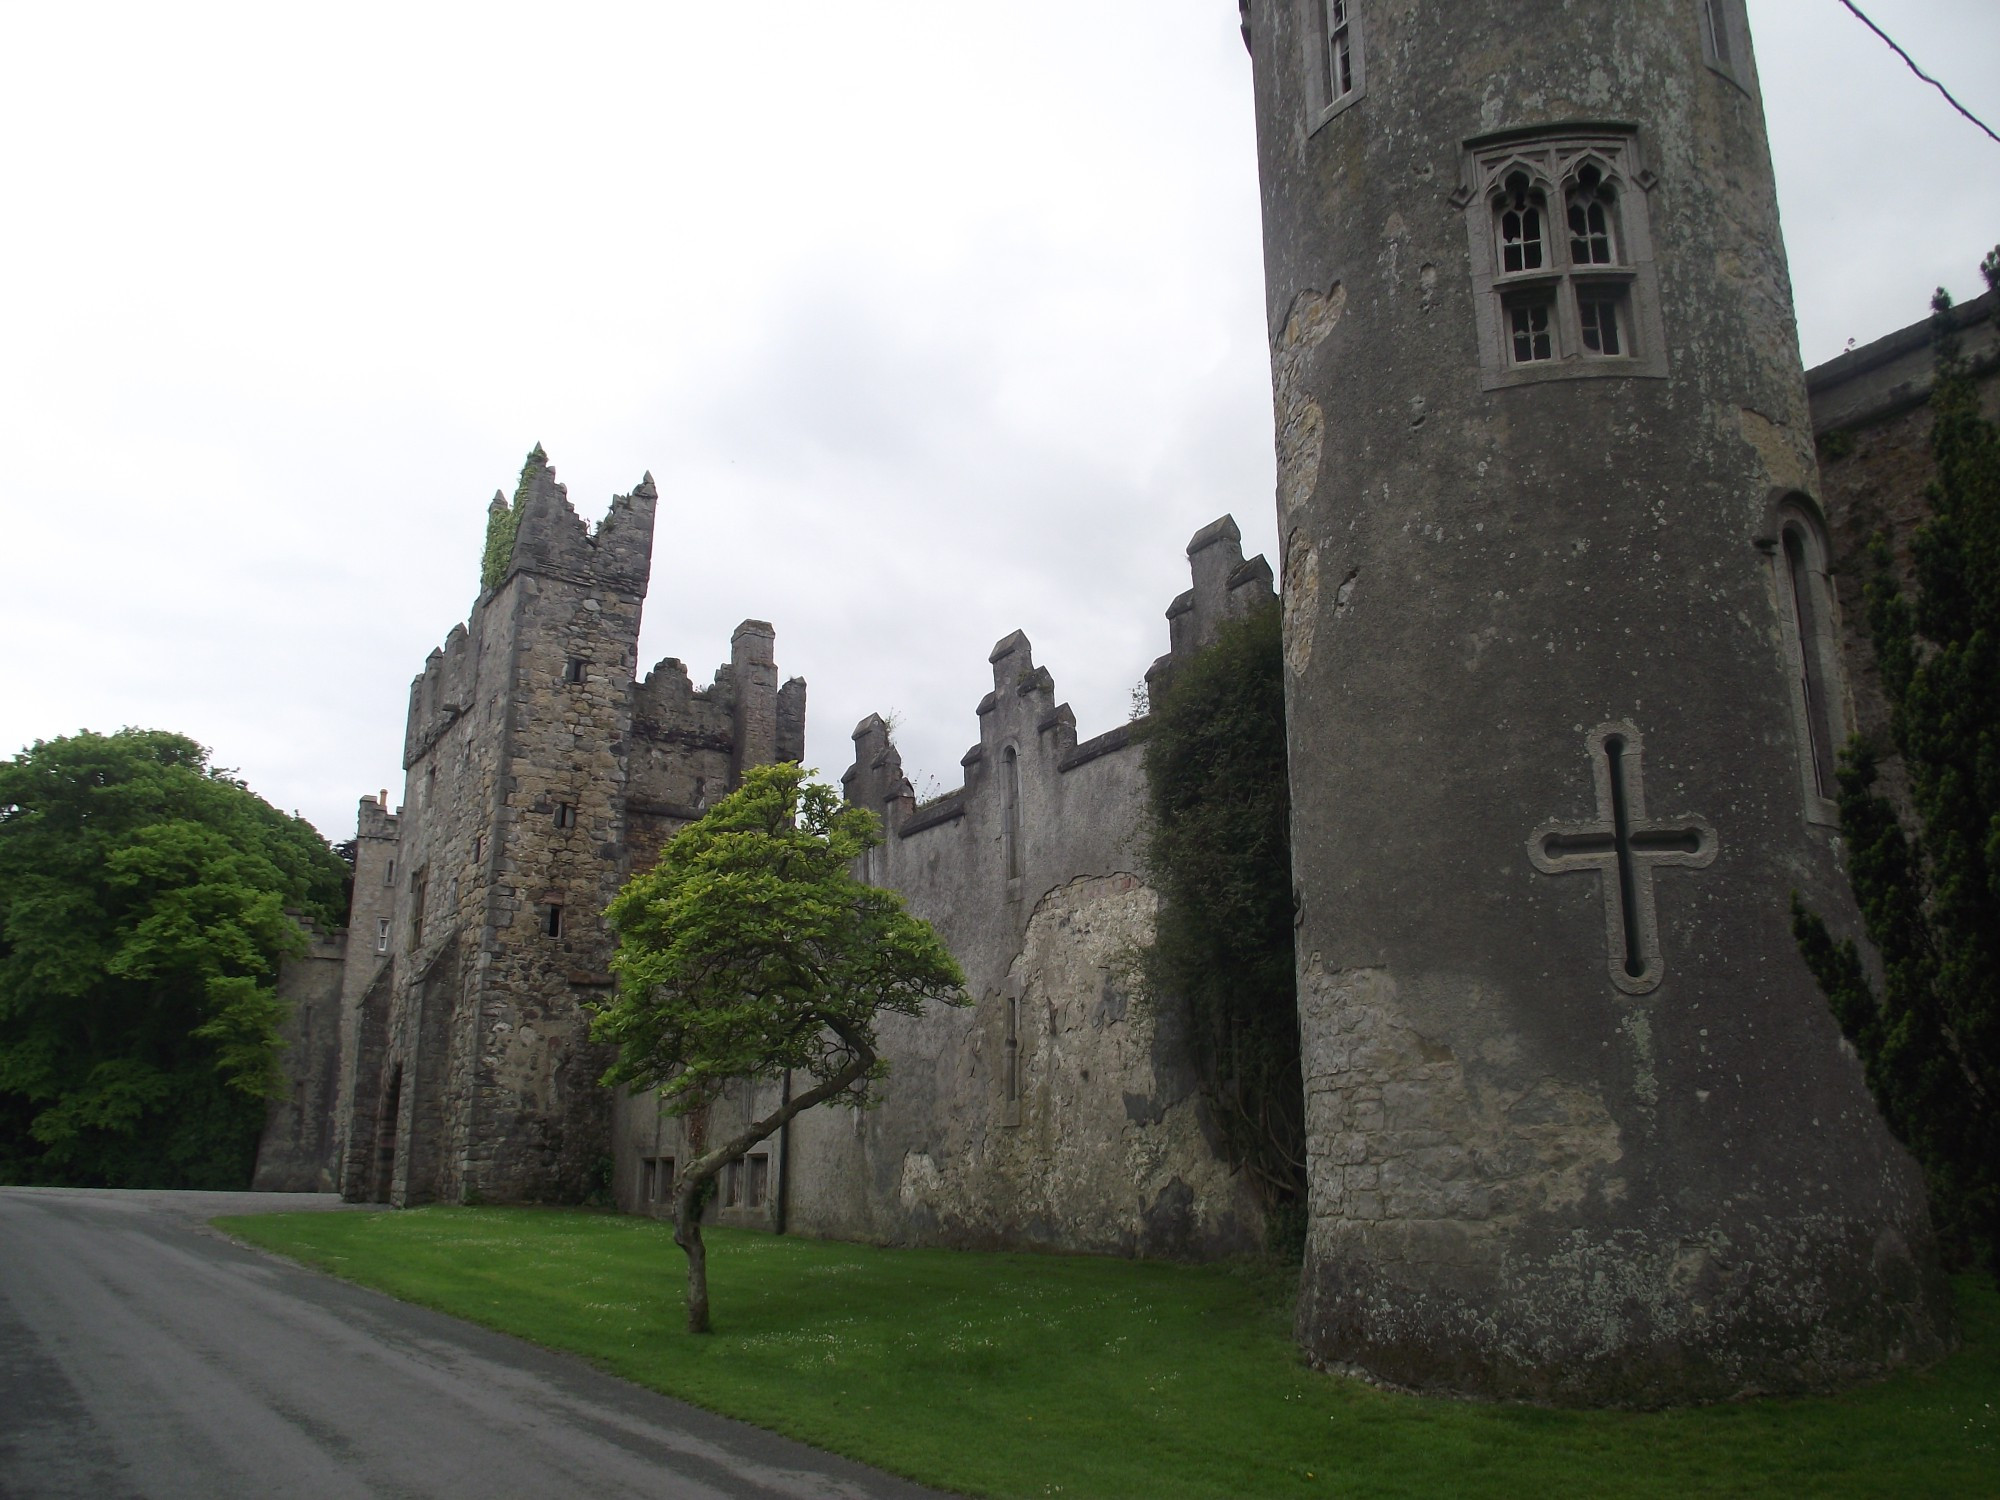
1031 1375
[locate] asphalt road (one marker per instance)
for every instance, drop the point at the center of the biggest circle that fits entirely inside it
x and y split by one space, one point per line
143 1354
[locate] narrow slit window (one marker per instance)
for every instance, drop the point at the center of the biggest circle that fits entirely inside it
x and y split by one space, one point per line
1805 619
565 815
552 919
478 847
1010 813
389 873
574 669
1013 1050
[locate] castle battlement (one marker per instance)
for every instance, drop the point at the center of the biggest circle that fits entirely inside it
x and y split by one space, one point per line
1021 715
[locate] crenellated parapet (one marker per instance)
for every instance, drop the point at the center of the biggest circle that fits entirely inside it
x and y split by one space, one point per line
1025 730
549 537
1226 586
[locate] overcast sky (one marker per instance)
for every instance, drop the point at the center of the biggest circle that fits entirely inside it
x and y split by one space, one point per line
931 320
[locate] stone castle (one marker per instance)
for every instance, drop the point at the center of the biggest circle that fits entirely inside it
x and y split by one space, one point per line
1568 658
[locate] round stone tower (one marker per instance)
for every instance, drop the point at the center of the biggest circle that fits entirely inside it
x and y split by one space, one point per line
1564 698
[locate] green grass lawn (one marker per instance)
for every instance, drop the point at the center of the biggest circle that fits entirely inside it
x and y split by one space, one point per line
1033 1375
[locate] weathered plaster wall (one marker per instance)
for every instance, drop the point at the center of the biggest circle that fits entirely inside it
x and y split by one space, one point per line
1542 1165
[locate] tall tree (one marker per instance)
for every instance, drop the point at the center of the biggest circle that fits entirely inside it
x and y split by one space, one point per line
1930 1040
143 899
1219 852
750 951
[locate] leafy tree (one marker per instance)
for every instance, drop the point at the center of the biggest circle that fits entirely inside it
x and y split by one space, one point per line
1219 853
1930 1040
142 916
750 951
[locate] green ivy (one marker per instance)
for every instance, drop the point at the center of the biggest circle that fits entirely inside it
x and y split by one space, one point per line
503 522
1930 1040
1219 853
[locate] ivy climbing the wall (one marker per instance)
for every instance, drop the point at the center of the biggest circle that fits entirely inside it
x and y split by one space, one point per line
503 522
1219 853
1930 1040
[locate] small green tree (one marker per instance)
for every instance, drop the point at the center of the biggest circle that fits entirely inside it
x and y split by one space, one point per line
750 951
142 918
1219 853
1930 1041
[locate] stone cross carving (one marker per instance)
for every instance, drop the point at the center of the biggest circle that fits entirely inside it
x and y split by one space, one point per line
1624 847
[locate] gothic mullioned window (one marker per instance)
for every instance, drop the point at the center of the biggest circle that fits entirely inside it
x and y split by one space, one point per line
1336 71
1561 256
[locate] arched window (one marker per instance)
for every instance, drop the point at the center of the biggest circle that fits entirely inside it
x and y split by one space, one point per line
1520 214
1812 651
1010 813
1593 218
1812 690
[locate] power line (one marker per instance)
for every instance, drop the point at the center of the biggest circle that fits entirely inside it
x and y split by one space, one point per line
1912 64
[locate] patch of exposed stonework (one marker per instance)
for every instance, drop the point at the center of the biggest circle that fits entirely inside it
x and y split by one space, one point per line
1099 1149
1301 424
1784 451
1302 600
1397 1131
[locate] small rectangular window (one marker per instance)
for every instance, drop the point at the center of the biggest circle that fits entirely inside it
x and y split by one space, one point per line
573 669
1715 33
1340 51
419 886
760 1179
1600 313
478 847
666 1179
381 934
552 919
565 815
650 1189
1336 67
1528 329
732 1184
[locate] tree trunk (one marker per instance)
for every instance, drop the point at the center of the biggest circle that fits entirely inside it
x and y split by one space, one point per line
693 1197
687 1234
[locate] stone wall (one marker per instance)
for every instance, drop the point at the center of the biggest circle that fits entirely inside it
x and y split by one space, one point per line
1058 1110
296 1151
1871 415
